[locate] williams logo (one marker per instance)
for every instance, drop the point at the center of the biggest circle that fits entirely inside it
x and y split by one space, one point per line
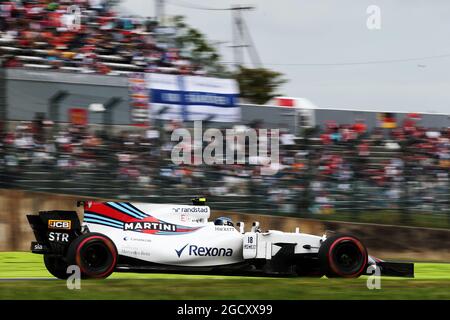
205 251
138 226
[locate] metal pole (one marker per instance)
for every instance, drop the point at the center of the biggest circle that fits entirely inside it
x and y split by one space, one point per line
3 100
238 34
107 114
53 106
237 37
159 11
404 210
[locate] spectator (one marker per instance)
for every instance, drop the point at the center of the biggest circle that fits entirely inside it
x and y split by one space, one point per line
47 34
331 175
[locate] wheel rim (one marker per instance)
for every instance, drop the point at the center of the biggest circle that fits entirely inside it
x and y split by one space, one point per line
348 257
95 257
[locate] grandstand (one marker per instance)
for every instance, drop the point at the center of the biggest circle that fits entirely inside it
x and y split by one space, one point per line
35 35
406 171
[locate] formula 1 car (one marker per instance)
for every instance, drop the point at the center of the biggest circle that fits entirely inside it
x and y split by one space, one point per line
141 237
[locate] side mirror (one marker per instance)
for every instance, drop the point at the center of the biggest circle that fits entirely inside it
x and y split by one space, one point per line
255 226
240 225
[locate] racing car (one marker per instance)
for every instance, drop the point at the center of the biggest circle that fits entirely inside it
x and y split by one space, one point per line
143 237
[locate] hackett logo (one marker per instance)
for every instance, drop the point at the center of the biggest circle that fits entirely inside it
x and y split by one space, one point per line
138 226
205 251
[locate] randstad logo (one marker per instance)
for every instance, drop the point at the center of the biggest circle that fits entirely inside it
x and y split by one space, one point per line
205 251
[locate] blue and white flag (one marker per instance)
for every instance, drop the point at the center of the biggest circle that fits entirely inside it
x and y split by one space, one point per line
189 98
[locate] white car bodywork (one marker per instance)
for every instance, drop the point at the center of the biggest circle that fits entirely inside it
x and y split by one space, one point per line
205 244
141 237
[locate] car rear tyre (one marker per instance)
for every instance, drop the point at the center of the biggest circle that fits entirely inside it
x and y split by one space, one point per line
56 265
343 256
95 254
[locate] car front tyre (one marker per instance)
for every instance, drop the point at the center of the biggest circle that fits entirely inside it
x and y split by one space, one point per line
343 256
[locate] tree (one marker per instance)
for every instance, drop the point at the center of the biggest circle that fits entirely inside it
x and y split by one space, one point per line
258 85
195 44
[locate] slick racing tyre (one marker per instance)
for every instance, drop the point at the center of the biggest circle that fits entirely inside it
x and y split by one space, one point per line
343 256
56 265
94 253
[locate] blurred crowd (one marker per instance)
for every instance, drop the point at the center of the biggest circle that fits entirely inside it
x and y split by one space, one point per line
339 167
84 36
403 167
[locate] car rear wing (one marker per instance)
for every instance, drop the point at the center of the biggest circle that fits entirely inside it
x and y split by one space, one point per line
54 231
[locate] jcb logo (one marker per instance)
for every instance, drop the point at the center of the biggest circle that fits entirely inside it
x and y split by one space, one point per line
59 224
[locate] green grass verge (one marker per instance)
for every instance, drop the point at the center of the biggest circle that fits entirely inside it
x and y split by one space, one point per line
432 282
390 217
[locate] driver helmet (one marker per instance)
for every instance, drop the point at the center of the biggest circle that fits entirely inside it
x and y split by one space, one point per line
223 221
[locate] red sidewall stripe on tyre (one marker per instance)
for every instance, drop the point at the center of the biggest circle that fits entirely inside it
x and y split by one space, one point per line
361 249
107 243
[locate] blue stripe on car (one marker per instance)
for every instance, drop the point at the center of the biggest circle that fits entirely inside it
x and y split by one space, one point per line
126 205
109 224
96 216
116 206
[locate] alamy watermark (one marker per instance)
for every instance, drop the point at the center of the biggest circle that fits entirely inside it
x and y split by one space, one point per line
72 18
74 280
374 280
263 147
374 19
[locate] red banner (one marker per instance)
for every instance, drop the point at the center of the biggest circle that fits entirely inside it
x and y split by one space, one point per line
78 116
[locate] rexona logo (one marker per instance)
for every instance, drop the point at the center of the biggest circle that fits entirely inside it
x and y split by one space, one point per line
59 224
205 251
137 226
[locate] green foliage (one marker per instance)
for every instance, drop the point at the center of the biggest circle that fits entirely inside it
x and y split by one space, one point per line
196 46
258 85
431 281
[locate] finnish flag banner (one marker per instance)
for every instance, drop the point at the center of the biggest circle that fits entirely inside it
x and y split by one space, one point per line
189 98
